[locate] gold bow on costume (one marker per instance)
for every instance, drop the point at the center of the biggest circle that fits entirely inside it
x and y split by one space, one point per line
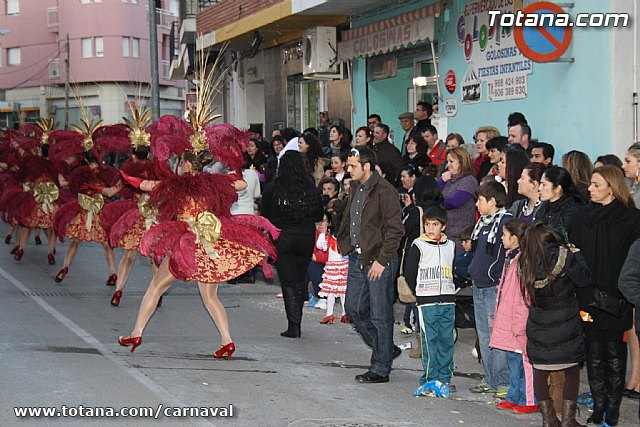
92 205
147 212
45 194
206 226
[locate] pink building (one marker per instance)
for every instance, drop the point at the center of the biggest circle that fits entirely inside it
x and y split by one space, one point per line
106 44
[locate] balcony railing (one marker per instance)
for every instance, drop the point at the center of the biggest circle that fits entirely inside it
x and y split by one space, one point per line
164 18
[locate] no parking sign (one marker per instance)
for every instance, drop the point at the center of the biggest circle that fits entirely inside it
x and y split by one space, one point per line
543 43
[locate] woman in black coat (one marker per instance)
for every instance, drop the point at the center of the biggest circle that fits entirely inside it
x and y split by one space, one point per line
292 203
561 200
604 231
550 273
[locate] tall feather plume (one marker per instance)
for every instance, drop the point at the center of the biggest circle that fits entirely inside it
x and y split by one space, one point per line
48 125
88 125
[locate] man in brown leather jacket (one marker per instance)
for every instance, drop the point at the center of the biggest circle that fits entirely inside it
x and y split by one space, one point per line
370 234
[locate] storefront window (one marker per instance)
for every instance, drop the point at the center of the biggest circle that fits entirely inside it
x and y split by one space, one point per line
425 81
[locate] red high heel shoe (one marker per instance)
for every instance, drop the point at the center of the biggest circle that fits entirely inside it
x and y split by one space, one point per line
18 255
227 349
344 319
115 299
61 274
7 239
14 250
328 319
38 240
134 341
52 259
111 281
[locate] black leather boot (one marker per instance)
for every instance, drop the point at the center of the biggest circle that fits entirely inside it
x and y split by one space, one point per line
597 373
617 359
294 313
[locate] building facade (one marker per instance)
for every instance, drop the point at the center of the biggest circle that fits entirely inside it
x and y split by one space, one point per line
398 52
91 54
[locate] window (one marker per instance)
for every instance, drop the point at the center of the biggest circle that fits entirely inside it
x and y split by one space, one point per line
131 47
125 46
13 7
135 48
99 46
87 48
13 56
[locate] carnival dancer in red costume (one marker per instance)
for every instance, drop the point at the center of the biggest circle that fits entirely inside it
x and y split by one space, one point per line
197 238
21 145
32 202
79 219
125 221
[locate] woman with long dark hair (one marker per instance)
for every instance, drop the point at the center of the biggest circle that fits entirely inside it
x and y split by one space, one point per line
549 275
340 140
579 166
293 204
604 232
311 147
561 200
509 169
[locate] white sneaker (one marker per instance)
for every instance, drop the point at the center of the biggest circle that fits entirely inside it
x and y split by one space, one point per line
279 295
321 304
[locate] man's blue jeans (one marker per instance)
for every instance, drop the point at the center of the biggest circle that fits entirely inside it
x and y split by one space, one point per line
369 305
496 370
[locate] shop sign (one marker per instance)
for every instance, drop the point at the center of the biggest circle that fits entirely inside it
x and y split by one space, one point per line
491 51
504 88
450 81
471 87
450 107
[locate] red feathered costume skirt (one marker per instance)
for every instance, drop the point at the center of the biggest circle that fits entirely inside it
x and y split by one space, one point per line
188 260
70 220
123 224
19 206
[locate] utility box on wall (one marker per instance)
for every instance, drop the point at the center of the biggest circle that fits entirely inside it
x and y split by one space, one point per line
319 51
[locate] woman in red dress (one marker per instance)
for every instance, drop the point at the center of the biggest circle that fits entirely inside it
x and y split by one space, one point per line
125 221
197 238
79 219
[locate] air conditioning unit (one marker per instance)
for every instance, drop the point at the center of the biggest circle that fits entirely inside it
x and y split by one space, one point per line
54 69
319 51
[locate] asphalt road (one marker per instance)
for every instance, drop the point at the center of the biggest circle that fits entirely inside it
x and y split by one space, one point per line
58 349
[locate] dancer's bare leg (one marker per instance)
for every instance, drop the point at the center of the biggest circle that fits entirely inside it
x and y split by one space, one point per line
110 257
71 253
154 267
124 268
160 283
51 238
209 295
23 237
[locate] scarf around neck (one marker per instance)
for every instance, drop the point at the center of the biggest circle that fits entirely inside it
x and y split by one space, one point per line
485 220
